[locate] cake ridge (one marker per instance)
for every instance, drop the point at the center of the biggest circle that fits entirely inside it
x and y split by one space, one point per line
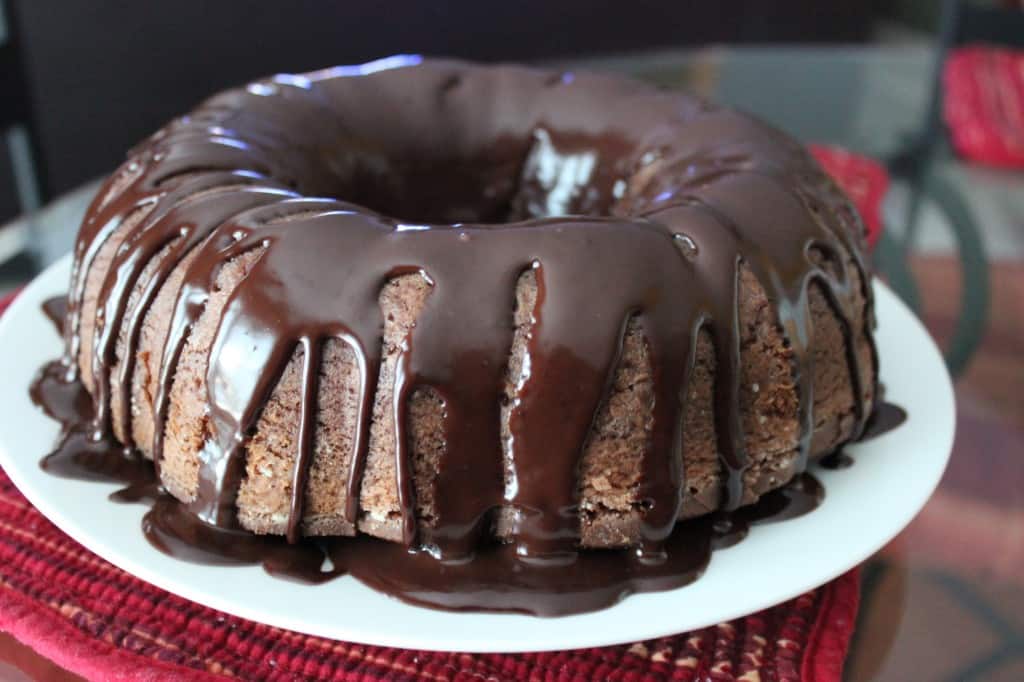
182 221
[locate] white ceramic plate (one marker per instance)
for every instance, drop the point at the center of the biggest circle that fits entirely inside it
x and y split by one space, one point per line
865 506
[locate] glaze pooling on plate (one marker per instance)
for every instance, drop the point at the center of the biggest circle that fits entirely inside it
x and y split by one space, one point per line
884 418
494 580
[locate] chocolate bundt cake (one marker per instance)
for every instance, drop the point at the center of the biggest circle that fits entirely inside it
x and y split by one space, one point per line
441 303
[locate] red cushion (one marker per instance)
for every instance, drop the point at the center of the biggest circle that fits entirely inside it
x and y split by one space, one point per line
983 104
865 180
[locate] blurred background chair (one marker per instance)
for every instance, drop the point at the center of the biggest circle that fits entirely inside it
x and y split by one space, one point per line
962 22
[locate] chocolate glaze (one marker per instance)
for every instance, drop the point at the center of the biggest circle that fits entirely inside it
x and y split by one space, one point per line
837 460
494 578
79 453
662 197
884 418
56 310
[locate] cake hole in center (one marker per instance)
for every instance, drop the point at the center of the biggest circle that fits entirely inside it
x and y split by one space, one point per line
544 174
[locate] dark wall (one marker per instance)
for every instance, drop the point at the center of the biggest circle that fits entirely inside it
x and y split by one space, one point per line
8 195
105 73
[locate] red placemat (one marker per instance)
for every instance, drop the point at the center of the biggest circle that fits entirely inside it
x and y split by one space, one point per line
100 622
983 104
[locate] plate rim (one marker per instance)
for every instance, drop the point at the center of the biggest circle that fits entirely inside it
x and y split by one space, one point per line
51 282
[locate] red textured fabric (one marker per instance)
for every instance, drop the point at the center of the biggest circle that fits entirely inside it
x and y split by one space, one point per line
983 104
104 624
100 622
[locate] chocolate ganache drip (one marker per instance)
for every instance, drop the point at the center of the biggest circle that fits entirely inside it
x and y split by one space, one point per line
628 205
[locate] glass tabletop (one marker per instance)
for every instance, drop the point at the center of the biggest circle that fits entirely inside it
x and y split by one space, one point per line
945 600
